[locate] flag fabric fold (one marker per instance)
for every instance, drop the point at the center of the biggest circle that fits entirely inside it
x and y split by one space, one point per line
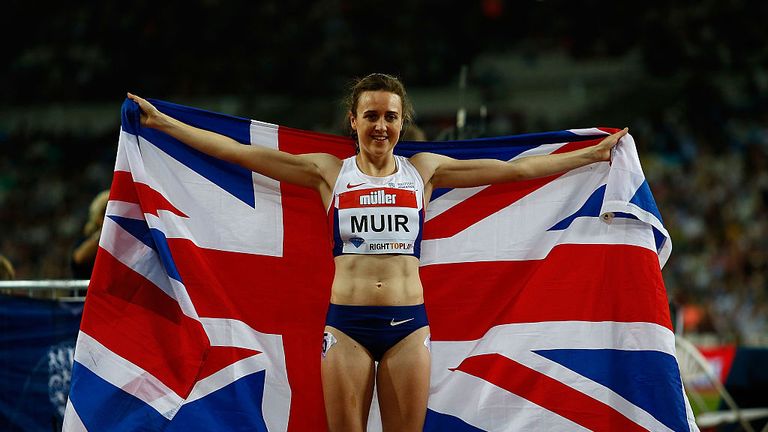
207 303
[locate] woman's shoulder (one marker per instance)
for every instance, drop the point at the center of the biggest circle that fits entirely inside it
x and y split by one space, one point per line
425 159
421 156
425 164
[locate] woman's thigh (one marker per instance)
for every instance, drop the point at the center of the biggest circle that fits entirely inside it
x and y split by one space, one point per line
347 372
402 382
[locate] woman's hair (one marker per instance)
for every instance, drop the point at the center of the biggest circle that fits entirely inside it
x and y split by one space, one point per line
96 212
6 269
376 82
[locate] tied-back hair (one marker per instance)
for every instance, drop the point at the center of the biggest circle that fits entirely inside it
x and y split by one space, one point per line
377 82
6 269
96 213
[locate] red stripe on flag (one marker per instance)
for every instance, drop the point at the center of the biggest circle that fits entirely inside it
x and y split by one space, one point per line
547 392
152 201
575 282
125 189
298 285
297 141
219 357
286 295
609 130
137 321
122 188
488 201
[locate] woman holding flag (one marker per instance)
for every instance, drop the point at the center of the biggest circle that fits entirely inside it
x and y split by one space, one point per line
376 202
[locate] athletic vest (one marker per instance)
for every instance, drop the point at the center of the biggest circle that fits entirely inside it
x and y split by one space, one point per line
377 215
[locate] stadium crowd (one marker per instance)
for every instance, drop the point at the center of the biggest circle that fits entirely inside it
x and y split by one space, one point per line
704 147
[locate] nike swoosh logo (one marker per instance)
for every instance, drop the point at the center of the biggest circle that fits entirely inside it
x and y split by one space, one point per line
352 186
394 323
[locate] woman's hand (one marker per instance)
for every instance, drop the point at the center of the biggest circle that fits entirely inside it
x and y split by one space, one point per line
151 117
602 150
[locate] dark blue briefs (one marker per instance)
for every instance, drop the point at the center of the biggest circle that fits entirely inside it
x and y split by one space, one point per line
377 328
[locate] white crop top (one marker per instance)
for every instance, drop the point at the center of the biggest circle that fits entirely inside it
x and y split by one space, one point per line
377 215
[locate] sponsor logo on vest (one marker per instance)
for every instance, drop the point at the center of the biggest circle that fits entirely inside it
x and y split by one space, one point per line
390 246
377 198
357 241
378 224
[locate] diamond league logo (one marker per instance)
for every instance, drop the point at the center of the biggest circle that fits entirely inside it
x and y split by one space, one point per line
60 358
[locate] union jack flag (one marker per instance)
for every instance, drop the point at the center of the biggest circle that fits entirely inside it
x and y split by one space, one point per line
207 303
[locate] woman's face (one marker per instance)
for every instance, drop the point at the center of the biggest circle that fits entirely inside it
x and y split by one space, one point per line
378 121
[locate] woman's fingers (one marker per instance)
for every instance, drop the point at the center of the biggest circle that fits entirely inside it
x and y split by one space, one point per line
148 111
143 104
614 138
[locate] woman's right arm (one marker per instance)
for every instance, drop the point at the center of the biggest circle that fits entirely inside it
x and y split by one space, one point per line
310 170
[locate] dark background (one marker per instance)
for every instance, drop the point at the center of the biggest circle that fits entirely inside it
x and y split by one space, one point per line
690 80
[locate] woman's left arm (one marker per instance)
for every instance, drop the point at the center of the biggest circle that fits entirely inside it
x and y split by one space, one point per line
449 172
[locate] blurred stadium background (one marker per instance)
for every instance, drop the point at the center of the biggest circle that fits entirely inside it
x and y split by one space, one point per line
690 79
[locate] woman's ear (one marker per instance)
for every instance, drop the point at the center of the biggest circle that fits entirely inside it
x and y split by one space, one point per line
352 121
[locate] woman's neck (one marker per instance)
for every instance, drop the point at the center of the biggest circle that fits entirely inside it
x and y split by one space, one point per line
376 166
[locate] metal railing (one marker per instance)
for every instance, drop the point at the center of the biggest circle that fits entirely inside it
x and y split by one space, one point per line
64 290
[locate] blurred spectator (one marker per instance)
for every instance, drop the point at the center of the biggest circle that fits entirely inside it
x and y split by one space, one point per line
84 253
414 133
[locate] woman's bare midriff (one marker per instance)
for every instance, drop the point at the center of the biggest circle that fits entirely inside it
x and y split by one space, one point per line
377 280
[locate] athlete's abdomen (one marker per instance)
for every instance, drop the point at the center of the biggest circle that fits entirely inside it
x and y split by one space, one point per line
377 280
